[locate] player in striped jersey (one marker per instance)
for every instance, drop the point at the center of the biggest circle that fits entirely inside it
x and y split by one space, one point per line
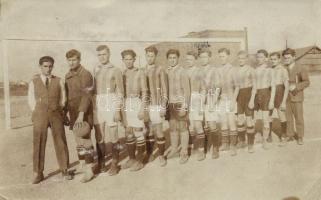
265 93
227 102
212 87
135 85
157 85
197 99
179 94
245 101
281 81
109 92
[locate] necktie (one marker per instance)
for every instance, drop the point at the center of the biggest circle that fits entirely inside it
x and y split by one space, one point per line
47 82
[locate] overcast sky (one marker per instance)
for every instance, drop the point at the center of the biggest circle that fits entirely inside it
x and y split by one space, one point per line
269 23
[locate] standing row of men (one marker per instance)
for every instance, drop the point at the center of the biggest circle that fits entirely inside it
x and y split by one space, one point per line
200 102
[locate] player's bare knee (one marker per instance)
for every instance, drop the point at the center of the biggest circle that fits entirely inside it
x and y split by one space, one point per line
182 126
240 119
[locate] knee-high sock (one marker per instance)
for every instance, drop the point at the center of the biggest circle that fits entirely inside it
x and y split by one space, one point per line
184 140
141 145
241 130
200 141
215 138
89 155
131 147
174 136
283 129
250 135
115 152
150 141
225 137
161 145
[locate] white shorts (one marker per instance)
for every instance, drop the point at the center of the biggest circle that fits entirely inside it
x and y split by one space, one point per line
210 116
224 107
154 114
132 108
106 106
196 106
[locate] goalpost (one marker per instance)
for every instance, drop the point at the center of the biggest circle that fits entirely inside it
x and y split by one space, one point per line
241 41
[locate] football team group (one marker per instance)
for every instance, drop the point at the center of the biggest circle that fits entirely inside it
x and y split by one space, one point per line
208 108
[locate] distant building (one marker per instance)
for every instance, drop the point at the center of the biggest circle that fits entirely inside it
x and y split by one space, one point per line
309 57
225 38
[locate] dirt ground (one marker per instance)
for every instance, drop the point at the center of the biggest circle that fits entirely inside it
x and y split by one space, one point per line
265 175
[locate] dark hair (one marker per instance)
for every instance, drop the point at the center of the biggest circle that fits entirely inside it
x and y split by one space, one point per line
192 53
242 52
128 52
288 51
73 52
151 49
205 50
266 54
226 50
102 47
172 51
46 59
275 54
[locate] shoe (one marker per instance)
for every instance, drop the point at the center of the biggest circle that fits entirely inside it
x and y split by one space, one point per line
129 163
250 149
241 144
215 153
265 145
102 167
173 153
300 141
66 175
225 147
88 175
282 142
183 158
233 151
200 155
162 161
114 169
38 178
289 139
151 157
269 139
137 166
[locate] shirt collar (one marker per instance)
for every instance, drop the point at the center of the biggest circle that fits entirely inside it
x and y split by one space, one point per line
108 65
170 67
150 66
133 69
75 72
263 65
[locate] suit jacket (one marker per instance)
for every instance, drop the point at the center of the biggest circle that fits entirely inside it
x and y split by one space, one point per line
298 76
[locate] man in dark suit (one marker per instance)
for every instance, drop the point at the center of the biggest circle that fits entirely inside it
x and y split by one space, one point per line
46 98
298 81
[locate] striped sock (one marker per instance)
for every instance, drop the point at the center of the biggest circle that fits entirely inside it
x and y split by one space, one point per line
131 147
161 145
250 135
241 130
150 141
200 141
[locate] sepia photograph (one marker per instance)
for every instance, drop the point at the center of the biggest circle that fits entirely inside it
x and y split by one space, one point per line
160 100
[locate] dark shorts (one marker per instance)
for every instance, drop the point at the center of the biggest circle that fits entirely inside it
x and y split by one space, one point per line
279 93
243 100
262 99
173 111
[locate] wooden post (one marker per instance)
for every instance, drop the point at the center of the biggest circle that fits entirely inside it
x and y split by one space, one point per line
6 84
246 40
